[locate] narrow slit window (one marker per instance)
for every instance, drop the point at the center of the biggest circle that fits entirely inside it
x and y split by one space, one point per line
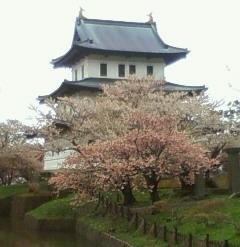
132 69
103 69
121 70
149 70
75 74
82 71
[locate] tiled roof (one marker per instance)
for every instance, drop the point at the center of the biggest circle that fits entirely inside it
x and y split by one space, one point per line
95 84
118 37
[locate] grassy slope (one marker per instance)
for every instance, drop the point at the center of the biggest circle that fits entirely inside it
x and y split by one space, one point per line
217 215
55 209
7 191
60 208
121 230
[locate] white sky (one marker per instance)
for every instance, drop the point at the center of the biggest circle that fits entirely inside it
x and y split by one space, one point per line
33 32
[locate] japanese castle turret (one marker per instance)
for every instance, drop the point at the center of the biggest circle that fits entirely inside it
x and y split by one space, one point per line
104 51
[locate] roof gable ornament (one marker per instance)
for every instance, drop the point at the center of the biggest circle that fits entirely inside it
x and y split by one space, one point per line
81 16
150 18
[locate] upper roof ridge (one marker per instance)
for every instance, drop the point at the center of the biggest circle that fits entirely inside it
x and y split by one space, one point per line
118 37
118 22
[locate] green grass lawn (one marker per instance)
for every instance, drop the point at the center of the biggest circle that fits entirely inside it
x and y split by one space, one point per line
22 189
218 216
55 209
61 208
119 228
7 191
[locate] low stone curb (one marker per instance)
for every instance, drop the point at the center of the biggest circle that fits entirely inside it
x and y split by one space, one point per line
96 238
21 204
60 225
5 206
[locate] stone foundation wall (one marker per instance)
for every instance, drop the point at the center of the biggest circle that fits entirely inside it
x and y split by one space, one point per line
23 203
19 205
5 206
97 239
60 225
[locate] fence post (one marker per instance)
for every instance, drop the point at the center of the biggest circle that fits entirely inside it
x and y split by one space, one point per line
102 199
106 202
164 233
118 197
175 235
108 206
115 208
136 220
112 208
99 197
155 229
121 211
190 240
207 240
225 243
128 214
144 226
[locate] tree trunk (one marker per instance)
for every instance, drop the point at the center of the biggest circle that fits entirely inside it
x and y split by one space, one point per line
152 185
186 187
4 181
184 178
199 185
128 198
154 195
234 170
209 181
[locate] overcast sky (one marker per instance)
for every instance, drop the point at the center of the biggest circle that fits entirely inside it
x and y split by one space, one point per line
33 32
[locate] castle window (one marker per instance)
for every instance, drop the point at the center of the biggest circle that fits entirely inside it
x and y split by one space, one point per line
149 70
75 74
82 71
103 69
132 69
121 70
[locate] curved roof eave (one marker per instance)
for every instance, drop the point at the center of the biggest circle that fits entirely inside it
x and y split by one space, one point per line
60 59
154 28
94 84
89 34
75 33
64 60
64 87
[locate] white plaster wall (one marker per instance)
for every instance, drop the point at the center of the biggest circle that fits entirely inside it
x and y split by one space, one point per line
92 66
54 160
78 66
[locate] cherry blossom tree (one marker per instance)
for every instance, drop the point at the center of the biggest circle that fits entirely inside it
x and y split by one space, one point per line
81 120
18 158
151 149
93 169
156 149
73 122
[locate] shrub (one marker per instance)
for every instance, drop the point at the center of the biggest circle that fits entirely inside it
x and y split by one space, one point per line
209 219
33 187
209 205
